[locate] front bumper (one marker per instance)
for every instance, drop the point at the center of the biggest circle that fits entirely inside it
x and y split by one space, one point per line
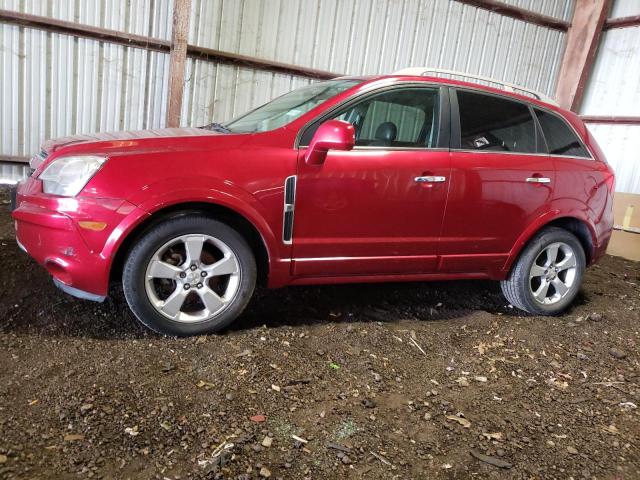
49 229
78 293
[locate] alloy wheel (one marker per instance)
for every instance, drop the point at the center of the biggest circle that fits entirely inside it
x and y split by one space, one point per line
192 278
553 273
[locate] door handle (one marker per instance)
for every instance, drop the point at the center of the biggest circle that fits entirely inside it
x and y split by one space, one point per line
429 179
539 180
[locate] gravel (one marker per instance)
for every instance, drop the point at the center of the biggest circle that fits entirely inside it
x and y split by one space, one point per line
367 375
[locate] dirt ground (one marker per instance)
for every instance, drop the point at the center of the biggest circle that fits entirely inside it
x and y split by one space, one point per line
423 380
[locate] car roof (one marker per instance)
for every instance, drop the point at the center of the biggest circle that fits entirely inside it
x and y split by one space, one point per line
530 96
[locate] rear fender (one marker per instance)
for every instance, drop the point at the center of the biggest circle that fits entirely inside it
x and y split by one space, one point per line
577 213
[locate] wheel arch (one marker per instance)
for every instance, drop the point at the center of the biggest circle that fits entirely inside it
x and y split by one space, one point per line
223 213
581 228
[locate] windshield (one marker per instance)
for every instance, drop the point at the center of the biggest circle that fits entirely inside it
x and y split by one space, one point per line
288 107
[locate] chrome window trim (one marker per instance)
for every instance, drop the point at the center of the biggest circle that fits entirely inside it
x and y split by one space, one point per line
395 149
368 148
496 152
573 157
493 152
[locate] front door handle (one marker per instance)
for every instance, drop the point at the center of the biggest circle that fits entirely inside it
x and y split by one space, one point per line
429 179
539 180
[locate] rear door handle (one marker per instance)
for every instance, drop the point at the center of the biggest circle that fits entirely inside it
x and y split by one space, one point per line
429 179
539 180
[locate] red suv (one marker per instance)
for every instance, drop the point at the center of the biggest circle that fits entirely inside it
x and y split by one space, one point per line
392 178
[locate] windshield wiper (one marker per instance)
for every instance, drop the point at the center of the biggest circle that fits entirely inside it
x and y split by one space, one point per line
216 127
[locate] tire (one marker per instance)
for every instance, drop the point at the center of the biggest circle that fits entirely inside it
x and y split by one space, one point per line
525 286
177 288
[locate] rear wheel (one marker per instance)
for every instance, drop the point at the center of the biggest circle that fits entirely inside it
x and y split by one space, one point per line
189 275
547 276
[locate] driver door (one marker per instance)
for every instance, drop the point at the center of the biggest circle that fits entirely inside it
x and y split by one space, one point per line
377 209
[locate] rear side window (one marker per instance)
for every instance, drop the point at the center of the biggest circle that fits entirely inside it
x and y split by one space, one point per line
490 123
561 140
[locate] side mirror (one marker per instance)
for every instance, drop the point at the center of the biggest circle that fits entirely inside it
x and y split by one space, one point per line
331 135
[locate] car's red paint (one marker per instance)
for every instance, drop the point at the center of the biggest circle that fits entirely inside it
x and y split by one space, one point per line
359 215
489 206
362 213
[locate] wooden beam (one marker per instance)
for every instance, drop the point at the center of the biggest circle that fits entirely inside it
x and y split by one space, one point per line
611 120
519 13
622 22
13 159
156 44
582 44
257 63
178 58
149 43
85 31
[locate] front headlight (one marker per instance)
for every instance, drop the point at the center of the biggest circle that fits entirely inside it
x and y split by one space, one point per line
67 176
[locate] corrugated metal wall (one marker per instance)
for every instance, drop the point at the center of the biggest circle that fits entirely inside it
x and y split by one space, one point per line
55 85
614 89
362 37
625 8
553 8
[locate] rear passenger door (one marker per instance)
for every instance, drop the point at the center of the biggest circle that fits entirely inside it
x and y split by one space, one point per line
501 179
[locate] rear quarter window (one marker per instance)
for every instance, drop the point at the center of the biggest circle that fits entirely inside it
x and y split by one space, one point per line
561 139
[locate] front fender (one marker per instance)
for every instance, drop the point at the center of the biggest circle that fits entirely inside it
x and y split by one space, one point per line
175 191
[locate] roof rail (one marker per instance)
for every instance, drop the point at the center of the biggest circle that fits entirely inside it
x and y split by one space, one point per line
508 87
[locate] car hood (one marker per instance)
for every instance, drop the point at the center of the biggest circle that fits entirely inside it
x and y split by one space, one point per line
52 145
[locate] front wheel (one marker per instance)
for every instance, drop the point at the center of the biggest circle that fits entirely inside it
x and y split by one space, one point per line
189 275
547 276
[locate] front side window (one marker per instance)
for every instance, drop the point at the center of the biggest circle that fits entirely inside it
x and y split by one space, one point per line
490 123
561 140
285 109
398 118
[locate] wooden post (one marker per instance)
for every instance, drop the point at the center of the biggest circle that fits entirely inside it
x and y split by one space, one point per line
582 44
178 57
